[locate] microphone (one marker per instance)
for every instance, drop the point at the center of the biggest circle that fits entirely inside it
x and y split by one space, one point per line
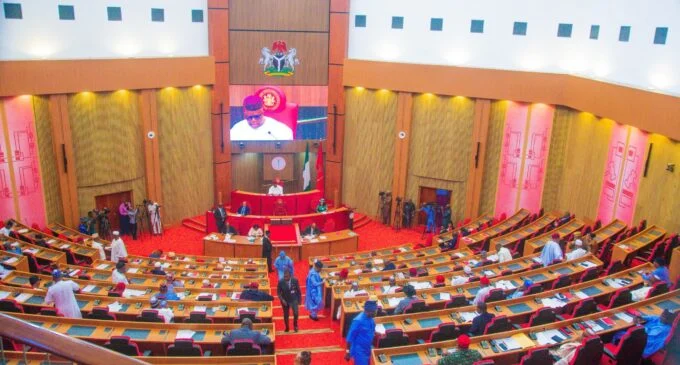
272 134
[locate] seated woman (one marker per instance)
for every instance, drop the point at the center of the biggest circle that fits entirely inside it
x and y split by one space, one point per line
255 231
322 207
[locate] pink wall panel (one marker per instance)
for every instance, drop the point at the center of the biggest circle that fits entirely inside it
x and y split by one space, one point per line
24 153
511 158
612 173
6 193
536 156
632 170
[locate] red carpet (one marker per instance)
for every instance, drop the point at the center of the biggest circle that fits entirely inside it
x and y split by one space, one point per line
323 338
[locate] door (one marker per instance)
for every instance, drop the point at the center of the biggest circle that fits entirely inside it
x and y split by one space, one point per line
438 198
112 201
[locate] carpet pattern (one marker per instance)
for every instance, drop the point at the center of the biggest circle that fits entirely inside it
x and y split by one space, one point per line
323 338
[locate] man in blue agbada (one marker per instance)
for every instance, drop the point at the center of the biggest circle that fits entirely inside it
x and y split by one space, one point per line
283 263
314 298
429 212
551 251
657 328
360 336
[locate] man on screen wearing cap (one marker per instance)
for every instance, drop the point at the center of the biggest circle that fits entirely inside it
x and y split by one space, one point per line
463 355
360 335
255 126
118 250
577 250
254 294
483 291
551 251
61 295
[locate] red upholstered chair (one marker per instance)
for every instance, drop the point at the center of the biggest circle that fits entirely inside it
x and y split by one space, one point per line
502 217
392 338
198 317
185 347
457 301
589 352
484 362
102 313
536 356
542 316
71 259
498 324
620 297
561 282
150 315
50 311
613 268
629 350
534 289
248 314
123 345
582 308
244 348
11 305
657 251
658 288
445 332
36 267
590 274
416 306
494 295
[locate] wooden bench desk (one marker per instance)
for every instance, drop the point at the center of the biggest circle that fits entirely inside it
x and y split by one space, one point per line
40 358
58 244
41 253
521 233
14 261
496 230
482 219
536 244
631 246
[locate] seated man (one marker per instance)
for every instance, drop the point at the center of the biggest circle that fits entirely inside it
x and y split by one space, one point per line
566 352
157 269
33 282
392 287
172 282
368 267
485 288
13 247
479 323
156 254
463 355
255 126
321 207
118 275
277 188
551 251
255 231
312 231
40 241
244 209
577 250
660 271
657 328
246 332
459 280
354 290
503 253
229 229
410 292
519 292
254 294
162 307
389 265
7 229
164 293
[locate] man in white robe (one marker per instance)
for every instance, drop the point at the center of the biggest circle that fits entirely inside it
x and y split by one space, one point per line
577 251
118 250
61 294
503 253
118 274
155 217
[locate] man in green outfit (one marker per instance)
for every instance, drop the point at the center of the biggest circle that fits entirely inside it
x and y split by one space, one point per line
463 355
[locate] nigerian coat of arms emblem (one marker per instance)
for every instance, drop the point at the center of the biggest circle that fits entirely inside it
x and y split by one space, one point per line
279 60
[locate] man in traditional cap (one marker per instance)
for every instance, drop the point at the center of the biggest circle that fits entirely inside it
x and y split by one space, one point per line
483 291
290 295
410 292
577 250
463 355
254 294
551 251
277 188
314 297
158 269
162 307
440 281
283 263
118 250
360 336
519 292
164 293
255 126
61 294
392 288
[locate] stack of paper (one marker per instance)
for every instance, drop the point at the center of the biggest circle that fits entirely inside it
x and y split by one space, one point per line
102 266
400 275
460 255
74 273
393 302
594 326
625 317
553 303
523 340
421 285
323 237
200 308
11 260
232 262
65 246
640 294
581 294
467 316
379 328
133 270
473 263
22 297
444 296
545 337
378 261
236 296
510 344
115 307
505 285
23 230
537 259
185 334
493 258
131 293
489 273
89 288
3 295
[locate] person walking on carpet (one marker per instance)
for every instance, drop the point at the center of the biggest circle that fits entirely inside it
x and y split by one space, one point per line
314 298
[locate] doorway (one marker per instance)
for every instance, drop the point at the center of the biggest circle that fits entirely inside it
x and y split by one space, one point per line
112 201
438 198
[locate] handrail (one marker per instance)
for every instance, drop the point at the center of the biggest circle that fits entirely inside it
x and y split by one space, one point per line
66 347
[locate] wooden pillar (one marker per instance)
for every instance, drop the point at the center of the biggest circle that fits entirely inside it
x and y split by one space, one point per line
62 142
335 128
152 164
9 156
218 28
401 147
480 133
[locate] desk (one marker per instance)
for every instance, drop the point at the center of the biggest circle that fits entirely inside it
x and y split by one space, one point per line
362 256
220 312
40 358
674 267
41 253
16 262
521 233
191 268
198 260
498 229
149 336
263 204
629 247
243 223
536 244
333 242
482 219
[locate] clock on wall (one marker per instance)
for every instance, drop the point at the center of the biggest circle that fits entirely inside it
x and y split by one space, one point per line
278 163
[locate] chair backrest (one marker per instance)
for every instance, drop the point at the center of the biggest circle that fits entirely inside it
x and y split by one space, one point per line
484 362
537 356
50 311
561 282
416 306
244 347
589 352
198 317
534 289
248 314
657 289
10 305
457 301
122 344
494 295
33 265
392 338
614 267
590 274
498 324
150 315
445 332
631 346
621 297
543 316
584 307
185 347
101 313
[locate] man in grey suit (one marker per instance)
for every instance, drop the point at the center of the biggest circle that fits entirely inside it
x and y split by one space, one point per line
246 332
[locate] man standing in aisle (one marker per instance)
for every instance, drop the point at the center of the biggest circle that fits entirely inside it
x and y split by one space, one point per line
123 217
360 336
220 215
288 290
61 294
132 217
118 250
314 298
267 250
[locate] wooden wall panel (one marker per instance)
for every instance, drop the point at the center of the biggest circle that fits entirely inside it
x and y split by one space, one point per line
556 159
441 143
657 200
186 151
246 172
298 15
107 142
338 38
369 147
245 51
494 142
48 160
586 156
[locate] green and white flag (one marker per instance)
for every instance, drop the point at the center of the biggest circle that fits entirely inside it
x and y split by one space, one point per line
306 172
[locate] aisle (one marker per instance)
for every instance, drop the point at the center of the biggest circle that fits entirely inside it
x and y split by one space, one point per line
323 338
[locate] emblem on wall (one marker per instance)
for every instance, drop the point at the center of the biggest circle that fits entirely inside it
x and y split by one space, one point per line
279 60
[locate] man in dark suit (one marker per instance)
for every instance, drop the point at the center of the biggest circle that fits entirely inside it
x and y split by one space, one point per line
312 230
228 228
479 323
220 217
267 249
244 209
288 291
